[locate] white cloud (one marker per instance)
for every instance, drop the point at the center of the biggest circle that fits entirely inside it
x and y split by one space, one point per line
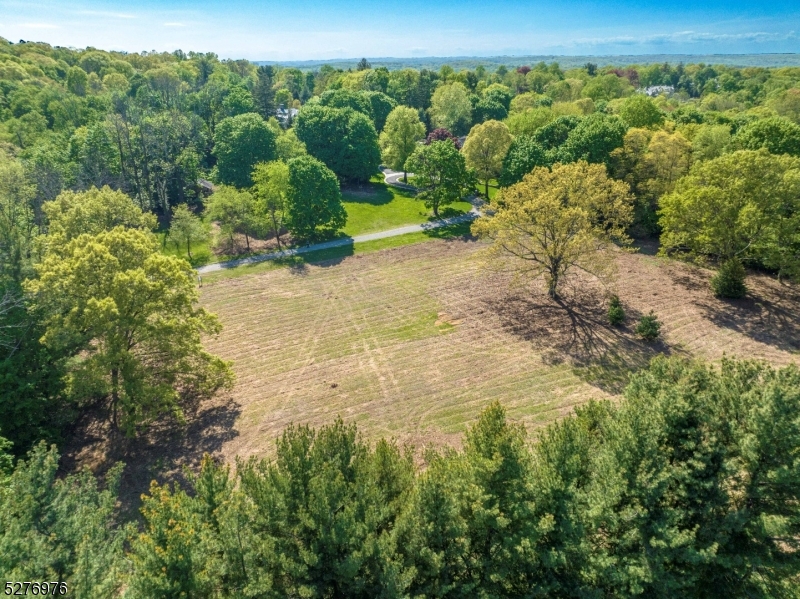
102 13
39 26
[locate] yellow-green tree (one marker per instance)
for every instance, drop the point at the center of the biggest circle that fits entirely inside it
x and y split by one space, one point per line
271 191
744 205
451 108
484 150
399 138
554 221
187 228
72 214
126 315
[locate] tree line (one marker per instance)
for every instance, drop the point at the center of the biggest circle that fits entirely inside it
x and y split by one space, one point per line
688 487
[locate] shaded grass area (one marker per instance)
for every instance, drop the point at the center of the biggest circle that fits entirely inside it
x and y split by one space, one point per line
335 255
376 207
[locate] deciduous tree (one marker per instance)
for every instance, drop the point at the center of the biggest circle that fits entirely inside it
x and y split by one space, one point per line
742 205
126 315
451 108
235 211
400 137
557 220
187 228
241 142
314 202
485 149
440 173
271 191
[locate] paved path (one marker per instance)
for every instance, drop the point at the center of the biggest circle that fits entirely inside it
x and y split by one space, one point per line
391 179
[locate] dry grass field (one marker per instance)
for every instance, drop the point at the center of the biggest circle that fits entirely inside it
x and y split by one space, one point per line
413 342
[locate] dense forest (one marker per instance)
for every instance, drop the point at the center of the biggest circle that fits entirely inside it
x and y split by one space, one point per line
688 488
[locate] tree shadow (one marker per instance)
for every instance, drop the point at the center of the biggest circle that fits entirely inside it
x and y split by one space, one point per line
574 329
769 314
455 230
375 194
161 453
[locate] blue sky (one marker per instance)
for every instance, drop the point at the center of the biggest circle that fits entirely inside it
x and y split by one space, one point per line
307 29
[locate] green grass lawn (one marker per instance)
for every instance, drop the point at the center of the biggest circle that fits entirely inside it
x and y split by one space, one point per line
378 207
372 207
366 247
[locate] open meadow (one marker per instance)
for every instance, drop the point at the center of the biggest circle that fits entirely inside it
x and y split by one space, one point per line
413 342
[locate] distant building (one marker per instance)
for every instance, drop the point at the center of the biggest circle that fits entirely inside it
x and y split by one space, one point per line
206 187
285 116
657 90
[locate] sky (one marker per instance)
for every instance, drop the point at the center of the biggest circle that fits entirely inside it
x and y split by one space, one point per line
311 30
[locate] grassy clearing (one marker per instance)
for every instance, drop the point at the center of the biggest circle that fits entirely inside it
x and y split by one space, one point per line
414 341
377 207
356 249
371 208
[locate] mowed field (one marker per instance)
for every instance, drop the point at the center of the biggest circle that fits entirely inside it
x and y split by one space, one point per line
413 342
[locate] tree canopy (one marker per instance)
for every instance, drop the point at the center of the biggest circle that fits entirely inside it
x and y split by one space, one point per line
485 149
557 220
241 142
742 205
400 136
343 139
126 314
314 202
441 174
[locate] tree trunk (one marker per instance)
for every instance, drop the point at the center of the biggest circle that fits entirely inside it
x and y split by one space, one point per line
189 247
275 228
247 241
487 188
114 397
405 177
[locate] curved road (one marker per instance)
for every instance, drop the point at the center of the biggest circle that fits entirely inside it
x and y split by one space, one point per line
391 177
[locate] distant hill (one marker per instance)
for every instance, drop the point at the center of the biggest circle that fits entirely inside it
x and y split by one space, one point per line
492 62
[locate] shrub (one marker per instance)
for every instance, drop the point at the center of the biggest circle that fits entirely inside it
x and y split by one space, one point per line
648 328
616 315
729 280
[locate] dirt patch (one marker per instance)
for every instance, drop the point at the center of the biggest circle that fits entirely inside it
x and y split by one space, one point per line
237 246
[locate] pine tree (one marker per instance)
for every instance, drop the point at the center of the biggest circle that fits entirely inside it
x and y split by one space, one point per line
264 92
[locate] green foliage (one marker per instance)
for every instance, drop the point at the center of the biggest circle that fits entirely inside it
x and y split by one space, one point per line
241 142
441 174
607 87
740 205
451 108
640 111
552 135
648 327
777 135
729 280
616 314
264 92
235 211
593 139
271 192
314 202
61 528
485 150
523 156
400 136
685 488
186 229
343 139
91 212
124 313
